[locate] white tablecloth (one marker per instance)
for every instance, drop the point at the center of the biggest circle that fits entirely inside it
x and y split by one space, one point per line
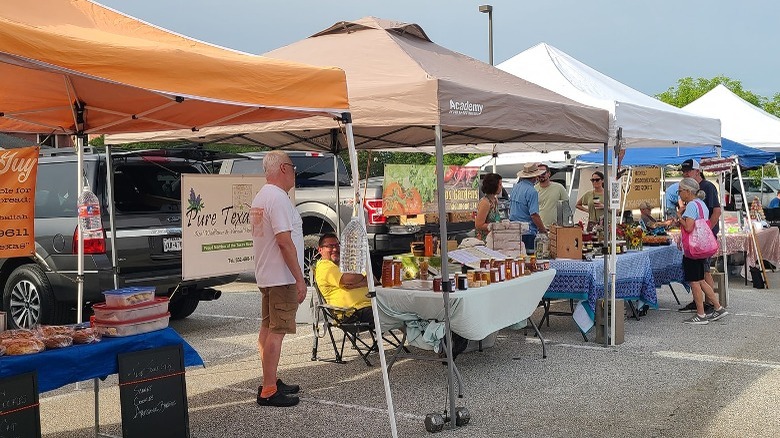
475 313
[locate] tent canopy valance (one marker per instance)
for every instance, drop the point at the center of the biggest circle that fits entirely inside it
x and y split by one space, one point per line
748 157
645 120
86 77
401 85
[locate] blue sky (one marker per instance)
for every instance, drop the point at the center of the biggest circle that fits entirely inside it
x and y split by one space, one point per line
647 45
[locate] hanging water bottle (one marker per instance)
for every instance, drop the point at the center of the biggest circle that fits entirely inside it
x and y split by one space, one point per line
90 223
354 248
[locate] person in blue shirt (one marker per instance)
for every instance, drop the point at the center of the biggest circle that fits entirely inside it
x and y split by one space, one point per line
524 203
775 202
671 200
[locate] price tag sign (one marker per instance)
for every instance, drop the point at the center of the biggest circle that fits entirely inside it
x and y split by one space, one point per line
614 194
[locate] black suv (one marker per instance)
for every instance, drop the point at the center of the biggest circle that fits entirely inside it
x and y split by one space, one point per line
42 289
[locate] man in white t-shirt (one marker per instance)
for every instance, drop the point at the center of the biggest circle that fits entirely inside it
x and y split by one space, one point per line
277 234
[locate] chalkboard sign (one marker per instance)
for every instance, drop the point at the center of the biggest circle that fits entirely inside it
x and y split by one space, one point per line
153 394
20 415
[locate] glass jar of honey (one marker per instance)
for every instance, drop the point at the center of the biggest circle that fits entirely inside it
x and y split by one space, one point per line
398 267
387 272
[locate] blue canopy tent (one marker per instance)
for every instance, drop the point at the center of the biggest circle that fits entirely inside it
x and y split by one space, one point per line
748 156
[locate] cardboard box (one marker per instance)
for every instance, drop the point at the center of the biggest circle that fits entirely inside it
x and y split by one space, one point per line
565 242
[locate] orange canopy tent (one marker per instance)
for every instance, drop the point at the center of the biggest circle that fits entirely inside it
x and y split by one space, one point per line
78 67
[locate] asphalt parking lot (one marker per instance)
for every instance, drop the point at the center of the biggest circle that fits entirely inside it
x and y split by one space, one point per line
667 380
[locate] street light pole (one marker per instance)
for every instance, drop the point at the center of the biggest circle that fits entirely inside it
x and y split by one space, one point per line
489 10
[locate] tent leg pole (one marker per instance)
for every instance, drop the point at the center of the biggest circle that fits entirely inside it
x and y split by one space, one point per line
112 214
80 258
369 277
446 284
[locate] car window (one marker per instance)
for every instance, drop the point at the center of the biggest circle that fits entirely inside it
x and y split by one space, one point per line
146 187
252 167
56 190
317 171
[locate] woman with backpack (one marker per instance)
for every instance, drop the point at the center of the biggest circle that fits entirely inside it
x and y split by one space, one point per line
694 268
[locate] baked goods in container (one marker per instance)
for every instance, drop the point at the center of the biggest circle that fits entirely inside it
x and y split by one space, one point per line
18 334
51 330
19 346
86 336
57 341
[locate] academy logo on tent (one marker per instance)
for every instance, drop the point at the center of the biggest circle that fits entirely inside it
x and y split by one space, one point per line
466 108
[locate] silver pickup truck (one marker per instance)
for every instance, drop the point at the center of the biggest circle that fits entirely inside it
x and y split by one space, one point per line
326 209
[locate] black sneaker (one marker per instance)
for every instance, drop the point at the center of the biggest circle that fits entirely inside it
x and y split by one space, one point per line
690 308
708 308
279 399
282 387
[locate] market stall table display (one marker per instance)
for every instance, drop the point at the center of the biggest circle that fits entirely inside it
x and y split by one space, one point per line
475 313
61 366
583 281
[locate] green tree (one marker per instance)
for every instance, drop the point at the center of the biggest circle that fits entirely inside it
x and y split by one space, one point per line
773 106
374 161
689 89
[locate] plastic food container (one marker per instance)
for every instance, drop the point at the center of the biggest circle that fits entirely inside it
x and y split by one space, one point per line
157 307
128 296
133 327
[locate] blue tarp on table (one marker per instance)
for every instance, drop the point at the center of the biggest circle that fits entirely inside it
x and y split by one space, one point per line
59 367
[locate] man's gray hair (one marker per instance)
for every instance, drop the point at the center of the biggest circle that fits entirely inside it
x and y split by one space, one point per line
272 162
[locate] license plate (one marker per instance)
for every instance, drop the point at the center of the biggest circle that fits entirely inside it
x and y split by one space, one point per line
171 244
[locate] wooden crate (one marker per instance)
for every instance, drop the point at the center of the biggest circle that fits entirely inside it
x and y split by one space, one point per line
566 242
413 219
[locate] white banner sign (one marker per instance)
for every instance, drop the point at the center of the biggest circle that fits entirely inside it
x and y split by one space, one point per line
216 231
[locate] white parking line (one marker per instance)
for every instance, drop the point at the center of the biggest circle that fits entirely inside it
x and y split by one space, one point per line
718 359
211 315
331 403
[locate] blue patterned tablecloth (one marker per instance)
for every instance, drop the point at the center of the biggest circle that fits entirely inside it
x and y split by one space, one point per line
584 280
666 263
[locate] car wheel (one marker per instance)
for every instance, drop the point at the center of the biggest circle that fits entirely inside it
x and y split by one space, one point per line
310 255
29 300
183 306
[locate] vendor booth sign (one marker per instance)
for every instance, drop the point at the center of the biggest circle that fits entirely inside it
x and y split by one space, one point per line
645 186
18 172
216 230
411 189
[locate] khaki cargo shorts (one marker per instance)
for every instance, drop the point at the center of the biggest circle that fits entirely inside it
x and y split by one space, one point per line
278 308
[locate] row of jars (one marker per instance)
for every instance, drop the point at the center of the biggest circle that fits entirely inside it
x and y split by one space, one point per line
494 271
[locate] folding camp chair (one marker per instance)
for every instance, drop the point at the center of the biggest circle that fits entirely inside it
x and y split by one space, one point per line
327 317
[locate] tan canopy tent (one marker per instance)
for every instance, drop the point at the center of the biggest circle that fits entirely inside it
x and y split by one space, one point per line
401 85
407 93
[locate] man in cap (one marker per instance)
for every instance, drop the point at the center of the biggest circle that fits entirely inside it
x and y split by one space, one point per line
692 169
524 202
550 192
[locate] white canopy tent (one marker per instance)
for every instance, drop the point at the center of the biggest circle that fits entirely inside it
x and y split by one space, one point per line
646 121
740 120
636 119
